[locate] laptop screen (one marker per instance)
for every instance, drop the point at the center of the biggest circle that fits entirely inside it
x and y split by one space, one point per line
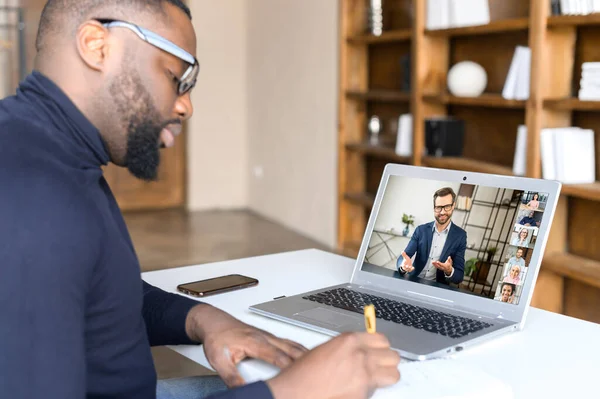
469 238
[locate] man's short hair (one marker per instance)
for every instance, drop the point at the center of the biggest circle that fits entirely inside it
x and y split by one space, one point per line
69 14
442 192
520 249
513 288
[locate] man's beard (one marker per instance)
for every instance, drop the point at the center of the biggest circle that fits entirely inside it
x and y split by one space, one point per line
448 217
144 125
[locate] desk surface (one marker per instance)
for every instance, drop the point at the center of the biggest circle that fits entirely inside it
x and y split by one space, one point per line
554 356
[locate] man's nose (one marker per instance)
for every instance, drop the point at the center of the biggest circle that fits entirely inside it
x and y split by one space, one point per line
183 107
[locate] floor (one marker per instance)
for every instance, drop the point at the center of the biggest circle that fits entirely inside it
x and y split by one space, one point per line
173 238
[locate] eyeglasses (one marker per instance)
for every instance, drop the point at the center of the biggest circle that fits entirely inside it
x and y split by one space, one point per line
188 80
447 208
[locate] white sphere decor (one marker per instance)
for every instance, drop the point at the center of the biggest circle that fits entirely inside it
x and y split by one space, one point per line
467 79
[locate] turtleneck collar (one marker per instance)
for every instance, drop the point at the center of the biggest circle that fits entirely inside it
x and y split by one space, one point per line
57 109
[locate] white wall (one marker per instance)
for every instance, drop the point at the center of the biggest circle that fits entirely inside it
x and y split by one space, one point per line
217 133
292 114
266 101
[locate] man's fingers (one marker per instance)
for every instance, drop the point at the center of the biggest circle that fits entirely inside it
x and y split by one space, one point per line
386 376
374 341
386 357
290 348
405 256
262 348
227 370
449 260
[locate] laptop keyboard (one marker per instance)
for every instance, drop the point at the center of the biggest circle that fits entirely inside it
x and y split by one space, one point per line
399 312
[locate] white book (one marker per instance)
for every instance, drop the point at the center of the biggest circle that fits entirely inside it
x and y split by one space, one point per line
547 153
596 5
469 12
520 160
510 85
578 157
588 96
590 74
523 75
405 135
565 7
434 15
590 66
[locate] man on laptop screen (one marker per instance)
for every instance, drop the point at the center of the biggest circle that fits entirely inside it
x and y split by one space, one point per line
440 245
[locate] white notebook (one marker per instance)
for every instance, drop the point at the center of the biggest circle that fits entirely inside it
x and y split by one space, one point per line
431 379
444 379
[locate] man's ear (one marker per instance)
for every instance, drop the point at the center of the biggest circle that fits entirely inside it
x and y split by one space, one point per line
92 45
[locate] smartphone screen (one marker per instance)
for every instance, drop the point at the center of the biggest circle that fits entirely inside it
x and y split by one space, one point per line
217 284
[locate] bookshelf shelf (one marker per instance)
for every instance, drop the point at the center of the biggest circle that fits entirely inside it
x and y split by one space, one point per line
490 100
392 36
571 104
501 26
470 165
364 199
574 267
370 80
573 20
378 151
379 95
350 248
586 191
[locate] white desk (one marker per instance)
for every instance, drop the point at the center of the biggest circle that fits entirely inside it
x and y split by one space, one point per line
554 356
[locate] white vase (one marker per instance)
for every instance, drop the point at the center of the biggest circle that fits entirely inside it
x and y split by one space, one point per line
467 79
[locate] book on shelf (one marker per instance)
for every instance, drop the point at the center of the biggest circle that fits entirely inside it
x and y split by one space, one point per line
574 7
405 135
589 85
520 159
444 14
568 155
516 86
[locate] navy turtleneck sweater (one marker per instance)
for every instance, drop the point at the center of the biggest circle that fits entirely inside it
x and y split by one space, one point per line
77 319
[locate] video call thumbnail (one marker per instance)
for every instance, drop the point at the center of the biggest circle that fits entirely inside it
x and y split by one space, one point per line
468 238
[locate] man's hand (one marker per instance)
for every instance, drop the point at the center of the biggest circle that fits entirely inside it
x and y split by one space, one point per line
406 265
350 366
227 341
446 267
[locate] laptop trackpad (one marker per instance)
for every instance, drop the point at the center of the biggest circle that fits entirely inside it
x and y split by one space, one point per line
327 316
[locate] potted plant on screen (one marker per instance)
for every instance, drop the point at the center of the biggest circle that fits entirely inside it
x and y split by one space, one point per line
408 220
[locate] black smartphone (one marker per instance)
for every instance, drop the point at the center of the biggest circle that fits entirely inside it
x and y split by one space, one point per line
217 285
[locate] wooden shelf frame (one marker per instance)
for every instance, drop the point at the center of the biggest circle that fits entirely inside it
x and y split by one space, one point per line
573 20
379 95
490 100
558 46
494 27
393 36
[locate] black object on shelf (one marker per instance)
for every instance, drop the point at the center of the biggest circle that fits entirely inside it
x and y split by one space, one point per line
444 137
405 62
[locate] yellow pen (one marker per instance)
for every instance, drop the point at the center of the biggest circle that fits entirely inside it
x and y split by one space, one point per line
370 318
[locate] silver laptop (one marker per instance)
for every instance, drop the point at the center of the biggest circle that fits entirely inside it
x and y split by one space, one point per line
448 258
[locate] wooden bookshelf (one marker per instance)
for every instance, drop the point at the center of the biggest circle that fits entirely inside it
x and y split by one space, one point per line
383 152
465 164
379 95
370 84
573 20
571 104
363 199
492 100
585 191
501 26
574 267
399 35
